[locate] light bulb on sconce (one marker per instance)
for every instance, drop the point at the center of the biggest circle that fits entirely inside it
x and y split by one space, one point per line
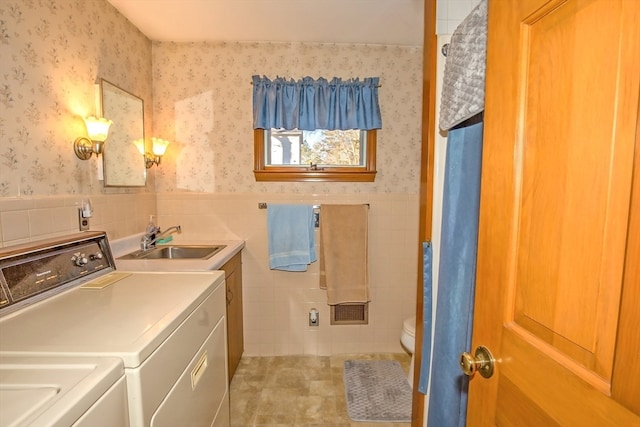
97 133
158 149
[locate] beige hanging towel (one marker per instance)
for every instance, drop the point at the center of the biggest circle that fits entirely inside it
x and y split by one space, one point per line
344 253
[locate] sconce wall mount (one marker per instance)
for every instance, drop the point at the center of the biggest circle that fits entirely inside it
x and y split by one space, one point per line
153 158
150 160
97 131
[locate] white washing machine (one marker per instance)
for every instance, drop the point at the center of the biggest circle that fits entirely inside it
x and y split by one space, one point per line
62 392
168 329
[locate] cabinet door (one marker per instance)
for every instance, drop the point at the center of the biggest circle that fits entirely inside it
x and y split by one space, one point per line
235 336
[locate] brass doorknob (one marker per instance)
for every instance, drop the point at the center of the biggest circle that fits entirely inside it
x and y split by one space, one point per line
482 362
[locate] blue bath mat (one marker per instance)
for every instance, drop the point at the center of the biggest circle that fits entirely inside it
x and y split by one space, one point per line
377 391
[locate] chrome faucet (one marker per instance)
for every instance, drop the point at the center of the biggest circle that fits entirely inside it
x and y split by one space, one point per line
154 234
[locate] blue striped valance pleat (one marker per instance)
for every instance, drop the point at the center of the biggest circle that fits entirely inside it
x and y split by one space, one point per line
309 104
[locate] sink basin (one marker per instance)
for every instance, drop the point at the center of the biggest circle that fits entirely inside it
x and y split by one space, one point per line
177 252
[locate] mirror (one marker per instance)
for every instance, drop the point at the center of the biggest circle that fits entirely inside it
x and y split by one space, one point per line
123 164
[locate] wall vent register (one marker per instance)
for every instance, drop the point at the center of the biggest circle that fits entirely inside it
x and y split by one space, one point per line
350 314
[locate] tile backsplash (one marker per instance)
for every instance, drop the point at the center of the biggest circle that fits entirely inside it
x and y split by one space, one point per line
277 303
26 219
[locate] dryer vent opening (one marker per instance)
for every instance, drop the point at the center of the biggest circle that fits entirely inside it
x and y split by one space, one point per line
350 314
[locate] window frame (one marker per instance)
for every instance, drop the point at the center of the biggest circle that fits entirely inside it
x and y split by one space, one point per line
264 172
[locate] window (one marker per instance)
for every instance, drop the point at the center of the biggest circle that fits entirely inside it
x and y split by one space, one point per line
315 130
319 155
315 147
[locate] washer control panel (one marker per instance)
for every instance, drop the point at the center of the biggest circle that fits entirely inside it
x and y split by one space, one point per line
24 275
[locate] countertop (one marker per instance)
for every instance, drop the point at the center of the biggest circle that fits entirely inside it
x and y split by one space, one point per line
121 247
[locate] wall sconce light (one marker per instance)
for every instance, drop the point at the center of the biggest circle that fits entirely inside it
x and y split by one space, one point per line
158 150
97 131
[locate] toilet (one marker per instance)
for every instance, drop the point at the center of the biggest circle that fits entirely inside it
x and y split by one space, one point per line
408 340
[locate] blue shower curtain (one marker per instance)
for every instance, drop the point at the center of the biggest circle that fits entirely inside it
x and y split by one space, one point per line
427 315
456 281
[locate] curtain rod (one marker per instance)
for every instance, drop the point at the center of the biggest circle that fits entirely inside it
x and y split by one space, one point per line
263 205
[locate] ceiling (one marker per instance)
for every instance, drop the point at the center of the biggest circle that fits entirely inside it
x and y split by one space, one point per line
389 22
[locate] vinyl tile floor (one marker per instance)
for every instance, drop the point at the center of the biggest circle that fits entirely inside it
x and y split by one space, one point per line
300 391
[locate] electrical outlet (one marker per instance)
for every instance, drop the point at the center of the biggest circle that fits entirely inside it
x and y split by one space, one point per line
314 317
83 222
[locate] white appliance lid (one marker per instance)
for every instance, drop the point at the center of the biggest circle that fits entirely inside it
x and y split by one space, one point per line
40 391
128 319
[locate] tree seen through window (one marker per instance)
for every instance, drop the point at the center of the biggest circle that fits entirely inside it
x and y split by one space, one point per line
318 147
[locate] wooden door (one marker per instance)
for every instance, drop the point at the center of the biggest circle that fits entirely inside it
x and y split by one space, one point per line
557 281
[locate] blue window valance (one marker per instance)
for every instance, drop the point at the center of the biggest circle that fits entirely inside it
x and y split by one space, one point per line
309 104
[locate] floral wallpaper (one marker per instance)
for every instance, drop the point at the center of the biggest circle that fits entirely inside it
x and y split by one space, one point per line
53 53
194 123
203 102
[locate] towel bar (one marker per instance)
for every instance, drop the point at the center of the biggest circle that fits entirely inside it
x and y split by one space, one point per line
263 205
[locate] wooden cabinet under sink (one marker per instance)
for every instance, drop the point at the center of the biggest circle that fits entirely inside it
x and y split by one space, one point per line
235 339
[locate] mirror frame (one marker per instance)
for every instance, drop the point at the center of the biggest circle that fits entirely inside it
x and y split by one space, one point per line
123 165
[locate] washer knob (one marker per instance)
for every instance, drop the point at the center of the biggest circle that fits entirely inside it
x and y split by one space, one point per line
79 259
